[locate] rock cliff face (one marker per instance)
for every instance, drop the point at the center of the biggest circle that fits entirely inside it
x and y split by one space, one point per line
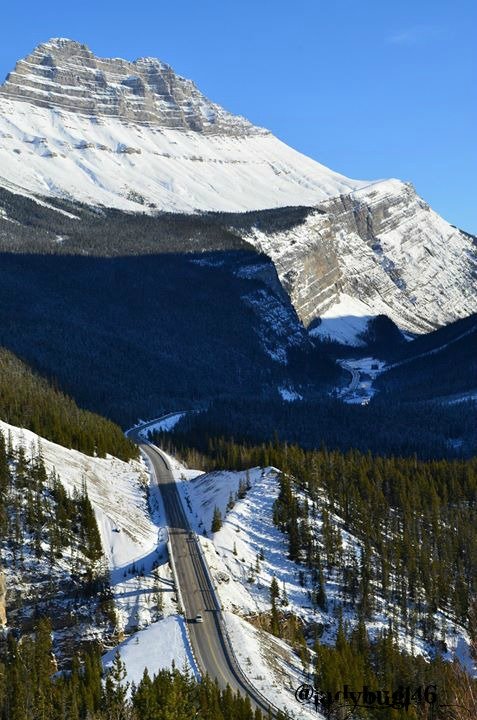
382 245
66 75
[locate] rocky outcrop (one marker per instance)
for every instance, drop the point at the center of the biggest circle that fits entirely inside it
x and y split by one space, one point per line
382 245
65 74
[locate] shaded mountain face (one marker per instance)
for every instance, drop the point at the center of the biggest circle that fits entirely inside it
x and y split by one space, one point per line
137 137
441 365
136 334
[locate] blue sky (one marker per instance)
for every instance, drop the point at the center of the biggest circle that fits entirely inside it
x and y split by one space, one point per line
371 89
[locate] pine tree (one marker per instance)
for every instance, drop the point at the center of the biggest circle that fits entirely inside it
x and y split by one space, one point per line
216 520
43 670
115 690
274 595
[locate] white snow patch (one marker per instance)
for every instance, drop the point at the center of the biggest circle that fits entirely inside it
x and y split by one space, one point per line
289 395
465 397
70 155
270 665
344 321
165 424
157 647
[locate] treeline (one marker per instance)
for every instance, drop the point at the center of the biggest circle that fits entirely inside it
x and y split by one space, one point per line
28 400
79 229
109 232
29 689
386 426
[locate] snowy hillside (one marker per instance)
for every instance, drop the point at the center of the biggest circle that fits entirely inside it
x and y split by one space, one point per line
244 557
249 550
133 537
136 135
106 162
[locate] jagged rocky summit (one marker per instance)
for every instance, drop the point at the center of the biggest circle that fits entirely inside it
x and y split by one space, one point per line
137 136
64 74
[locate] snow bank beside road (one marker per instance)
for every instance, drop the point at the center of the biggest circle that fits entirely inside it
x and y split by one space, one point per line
155 648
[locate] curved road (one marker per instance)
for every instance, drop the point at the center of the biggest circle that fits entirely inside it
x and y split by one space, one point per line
355 375
208 640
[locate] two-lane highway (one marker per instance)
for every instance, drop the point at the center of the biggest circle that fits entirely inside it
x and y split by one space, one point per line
209 644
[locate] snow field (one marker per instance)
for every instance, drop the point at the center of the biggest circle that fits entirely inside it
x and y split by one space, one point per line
106 161
344 321
158 646
136 555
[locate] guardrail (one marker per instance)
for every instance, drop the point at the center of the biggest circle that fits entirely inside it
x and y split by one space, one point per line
225 634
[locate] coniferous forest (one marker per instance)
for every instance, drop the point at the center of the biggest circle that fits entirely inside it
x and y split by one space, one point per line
30 691
28 400
51 552
414 521
414 559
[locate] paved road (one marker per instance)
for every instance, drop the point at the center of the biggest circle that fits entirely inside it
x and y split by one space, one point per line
207 638
355 377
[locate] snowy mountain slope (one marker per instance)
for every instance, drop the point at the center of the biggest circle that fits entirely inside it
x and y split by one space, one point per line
133 533
116 489
384 250
129 135
136 136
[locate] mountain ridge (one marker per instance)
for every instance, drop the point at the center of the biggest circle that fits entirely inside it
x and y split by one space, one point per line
149 142
65 73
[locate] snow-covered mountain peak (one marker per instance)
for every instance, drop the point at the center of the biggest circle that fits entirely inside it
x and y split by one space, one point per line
65 74
136 135
60 42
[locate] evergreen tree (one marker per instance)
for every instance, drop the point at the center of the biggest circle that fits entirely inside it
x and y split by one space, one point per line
274 595
216 520
115 691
